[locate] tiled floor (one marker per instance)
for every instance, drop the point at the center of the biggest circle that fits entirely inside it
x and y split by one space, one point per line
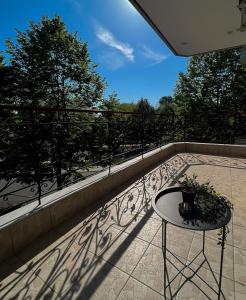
114 251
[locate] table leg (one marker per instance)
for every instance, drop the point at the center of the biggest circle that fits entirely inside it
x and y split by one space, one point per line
164 249
221 260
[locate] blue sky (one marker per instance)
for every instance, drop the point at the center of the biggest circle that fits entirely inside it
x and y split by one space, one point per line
131 57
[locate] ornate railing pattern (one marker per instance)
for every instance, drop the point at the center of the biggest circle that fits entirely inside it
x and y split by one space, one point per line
46 149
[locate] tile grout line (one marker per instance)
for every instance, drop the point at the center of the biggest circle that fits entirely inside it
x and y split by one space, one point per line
186 262
147 285
148 245
130 275
98 256
33 272
239 225
133 235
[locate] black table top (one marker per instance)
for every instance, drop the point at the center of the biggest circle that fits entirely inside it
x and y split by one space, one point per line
166 205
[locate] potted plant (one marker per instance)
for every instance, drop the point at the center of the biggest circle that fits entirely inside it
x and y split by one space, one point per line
210 203
189 187
206 200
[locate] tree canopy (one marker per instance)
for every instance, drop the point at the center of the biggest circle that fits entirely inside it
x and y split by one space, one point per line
48 67
213 82
53 67
166 104
144 106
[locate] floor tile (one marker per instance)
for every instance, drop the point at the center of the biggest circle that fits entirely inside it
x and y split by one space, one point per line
82 225
213 234
92 278
125 252
150 211
72 271
47 256
240 265
144 227
240 291
239 235
150 269
18 282
238 181
178 240
213 252
114 245
114 250
138 291
134 200
239 217
219 177
200 288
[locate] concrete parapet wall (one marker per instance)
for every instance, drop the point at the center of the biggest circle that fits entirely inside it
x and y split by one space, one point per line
22 226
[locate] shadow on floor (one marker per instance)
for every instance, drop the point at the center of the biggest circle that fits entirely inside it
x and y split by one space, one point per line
69 261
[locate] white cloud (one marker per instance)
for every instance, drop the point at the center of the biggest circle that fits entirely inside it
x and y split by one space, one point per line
111 60
77 5
107 38
150 54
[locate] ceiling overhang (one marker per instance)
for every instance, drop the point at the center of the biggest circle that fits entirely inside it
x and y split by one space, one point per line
192 27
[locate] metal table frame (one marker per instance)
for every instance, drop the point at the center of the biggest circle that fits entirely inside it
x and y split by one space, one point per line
167 283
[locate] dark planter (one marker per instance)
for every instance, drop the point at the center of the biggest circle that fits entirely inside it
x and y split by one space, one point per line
189 196
186 210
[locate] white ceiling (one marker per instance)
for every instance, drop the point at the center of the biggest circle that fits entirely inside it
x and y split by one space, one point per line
194 26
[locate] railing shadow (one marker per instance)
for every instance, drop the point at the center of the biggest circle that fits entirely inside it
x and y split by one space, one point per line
69 261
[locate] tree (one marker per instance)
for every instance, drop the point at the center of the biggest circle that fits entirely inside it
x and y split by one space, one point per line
112 103
127 107
52 67
166 104
1 61
214 82
121 128
145 122
143 106
7 77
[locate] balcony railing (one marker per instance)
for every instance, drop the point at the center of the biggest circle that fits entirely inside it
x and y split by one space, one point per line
46 149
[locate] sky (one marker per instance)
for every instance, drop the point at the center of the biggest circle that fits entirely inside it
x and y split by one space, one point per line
131 58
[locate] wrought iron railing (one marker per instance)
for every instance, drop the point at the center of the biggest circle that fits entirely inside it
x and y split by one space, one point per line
46 149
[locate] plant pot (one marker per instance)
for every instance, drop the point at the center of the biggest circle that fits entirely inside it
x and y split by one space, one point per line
186 210
189 196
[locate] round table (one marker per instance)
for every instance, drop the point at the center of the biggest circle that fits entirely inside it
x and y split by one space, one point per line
166 205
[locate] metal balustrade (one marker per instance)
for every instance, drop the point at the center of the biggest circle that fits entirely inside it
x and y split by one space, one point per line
46 149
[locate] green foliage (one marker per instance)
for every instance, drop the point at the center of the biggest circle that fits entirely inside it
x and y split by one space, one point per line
213 82
49 67
166 104
112 103
53 67
127 107
189 183
209 202
143 106
1 61
7 88
145 123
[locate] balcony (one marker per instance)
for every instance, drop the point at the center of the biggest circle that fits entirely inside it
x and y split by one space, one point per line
112 248
95 235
